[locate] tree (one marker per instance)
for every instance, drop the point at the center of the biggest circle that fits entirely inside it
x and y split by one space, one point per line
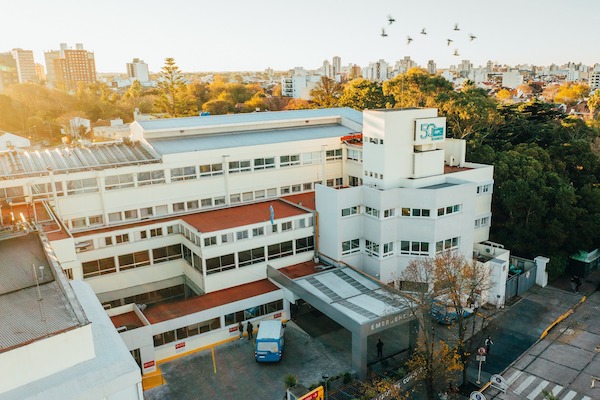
594 103
362 94
297 104
327 93
174 97
571 93
417 88
504 95
218 107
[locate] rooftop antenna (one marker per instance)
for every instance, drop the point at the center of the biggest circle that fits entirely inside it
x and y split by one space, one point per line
40 299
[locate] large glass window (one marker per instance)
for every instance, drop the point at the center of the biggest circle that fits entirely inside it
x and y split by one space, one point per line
252 256
239 166
118 181
211 169
305 244
280 250
151 177
99 267
289 160
264 163
219 264
183 173
167 253
134 260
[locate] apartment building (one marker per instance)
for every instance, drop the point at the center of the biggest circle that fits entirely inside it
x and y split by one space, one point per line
67 67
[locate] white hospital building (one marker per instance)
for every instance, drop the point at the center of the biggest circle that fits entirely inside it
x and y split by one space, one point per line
174 228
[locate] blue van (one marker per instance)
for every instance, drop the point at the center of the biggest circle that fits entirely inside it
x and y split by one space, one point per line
269 341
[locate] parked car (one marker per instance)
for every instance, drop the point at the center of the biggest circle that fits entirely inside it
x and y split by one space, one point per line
443 312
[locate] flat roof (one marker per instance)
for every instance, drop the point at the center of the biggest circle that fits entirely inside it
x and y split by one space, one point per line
168 311
203 142
357 296
25 318
244 118
306 200
220 219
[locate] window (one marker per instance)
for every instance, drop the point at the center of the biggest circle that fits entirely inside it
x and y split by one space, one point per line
482 222
161 209
131 214
388 249
211 169
124 238
118 182
296 188
258 231
247 196
300 223
210 241
80 186
192 205
108 241
285 190
259 194
114 217
372 248
415 212
146 212
372 211
78 222
272 192
134 260
448 244
313 157
307 186
156 232
350 211
96 220
354 181
280 250
286 226
143 234
253 256
448 210
305 244
333 154
389 213
168 253
484 189
414 248
178 207
227 238
350 246
289 160
219 264
183 173
355 155
99 267
235 198
264 163
151 177
239 166
241 235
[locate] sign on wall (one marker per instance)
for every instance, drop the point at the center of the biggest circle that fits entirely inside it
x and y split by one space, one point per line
430 130
316 394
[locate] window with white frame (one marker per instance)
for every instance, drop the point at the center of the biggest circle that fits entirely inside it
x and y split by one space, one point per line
272 192
289 160
78 222
350 246
211 169
296 188
210 241
108 241
331 155
219 201
241 235
314 157
192 205
286 226
162 209
150 177
118 181
260 231
372 248
156 232
247 196
388 249
285 190
115 217
235 198
372 211
482 222
416 212
96 220
80 186
307 186
124 238
484 189
264 163
178 207
352 154
414 248
448 244
227 237
389 213
350 211
131 214
300 223
252 256
448 210
146 212
239 166
183 173
260 194
206 202
354 181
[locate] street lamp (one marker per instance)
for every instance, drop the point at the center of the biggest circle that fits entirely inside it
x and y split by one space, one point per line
326 378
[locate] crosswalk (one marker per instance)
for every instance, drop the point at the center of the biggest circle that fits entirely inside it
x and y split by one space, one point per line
524 386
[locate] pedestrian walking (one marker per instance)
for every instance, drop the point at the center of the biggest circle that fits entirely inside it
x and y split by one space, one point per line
488 344
379 348
241 330
249 329
577 282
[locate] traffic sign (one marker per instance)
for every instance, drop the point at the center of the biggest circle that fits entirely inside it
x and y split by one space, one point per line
499 382
476 396
480 358
481 351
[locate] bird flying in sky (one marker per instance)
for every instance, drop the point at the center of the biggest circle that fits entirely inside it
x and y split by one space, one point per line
408 39
383 34
391 20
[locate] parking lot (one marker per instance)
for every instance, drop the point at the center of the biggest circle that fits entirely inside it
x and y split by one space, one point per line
239 376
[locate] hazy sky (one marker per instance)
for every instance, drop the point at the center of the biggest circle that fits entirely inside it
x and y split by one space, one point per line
241 35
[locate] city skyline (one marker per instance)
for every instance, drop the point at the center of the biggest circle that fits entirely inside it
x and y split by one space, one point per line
242 36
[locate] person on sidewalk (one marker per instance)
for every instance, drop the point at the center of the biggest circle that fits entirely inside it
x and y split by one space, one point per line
379 348
241 330
488 344
577 283
249 329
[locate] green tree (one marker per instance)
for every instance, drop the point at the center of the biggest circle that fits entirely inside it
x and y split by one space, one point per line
174 97
594 103
362 94
326 93
417 88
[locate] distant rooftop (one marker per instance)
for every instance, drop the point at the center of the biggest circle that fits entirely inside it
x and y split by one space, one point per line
17 164
245 118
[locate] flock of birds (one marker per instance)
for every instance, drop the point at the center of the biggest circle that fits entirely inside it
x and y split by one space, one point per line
409 39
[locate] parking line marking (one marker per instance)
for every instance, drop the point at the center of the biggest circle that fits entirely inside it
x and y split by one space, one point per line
214 360
570 395
556 390
537 390
514 377
524 385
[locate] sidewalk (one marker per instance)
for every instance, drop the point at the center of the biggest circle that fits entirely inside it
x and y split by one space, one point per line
519 326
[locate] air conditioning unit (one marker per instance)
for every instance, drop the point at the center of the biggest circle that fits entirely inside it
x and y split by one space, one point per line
490 251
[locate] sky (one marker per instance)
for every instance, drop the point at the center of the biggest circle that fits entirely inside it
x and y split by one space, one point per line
245 35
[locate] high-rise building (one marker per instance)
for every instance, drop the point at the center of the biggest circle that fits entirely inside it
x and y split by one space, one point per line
337 65
431 67
594 80
8 71
138 70
405 64
25 65
327 69
40 72
376 71
68 67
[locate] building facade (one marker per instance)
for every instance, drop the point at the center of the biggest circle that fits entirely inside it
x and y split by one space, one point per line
138 69
67 68
25 65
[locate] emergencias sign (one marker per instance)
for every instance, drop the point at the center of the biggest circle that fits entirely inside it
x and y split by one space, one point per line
428 130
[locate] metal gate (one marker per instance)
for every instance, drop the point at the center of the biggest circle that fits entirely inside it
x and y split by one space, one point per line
520 283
